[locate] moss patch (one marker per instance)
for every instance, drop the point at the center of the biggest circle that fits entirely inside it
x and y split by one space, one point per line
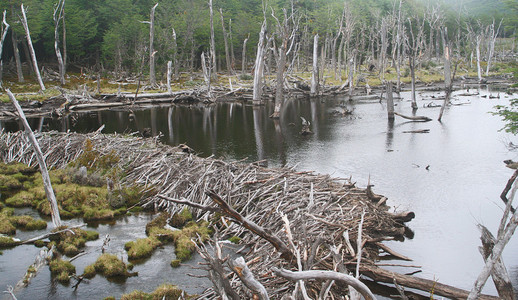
184 247
180 219
69 243
108 265
142 248
62 269
6 241
164 291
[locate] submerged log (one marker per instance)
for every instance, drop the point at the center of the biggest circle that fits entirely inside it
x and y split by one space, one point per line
414 118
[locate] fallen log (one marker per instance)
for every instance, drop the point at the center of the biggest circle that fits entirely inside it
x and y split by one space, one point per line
414 118
418 131
426 285
241 269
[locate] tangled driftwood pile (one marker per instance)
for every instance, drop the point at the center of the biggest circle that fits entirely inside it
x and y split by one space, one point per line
287 220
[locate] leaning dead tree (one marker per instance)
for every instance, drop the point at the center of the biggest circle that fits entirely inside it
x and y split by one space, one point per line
230 71
3 34
494 247
314 73
31 48
59 16
152 76
54 211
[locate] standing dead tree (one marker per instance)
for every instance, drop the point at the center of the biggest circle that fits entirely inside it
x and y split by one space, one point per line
152 76
4 28
259 66
225 39
286 32
414 44
243 56
59 16
493 34
212 60
314 73
31 48
447 70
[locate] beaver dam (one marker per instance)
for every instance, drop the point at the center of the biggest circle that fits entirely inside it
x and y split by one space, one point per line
298 234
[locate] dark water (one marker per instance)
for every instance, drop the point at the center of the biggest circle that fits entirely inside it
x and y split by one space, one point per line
460 189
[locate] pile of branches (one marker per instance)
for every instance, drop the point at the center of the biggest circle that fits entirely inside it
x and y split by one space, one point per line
286 220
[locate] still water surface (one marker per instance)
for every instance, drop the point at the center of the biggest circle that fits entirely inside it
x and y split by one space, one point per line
460 189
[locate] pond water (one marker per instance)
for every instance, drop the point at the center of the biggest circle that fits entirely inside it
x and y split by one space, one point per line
459 189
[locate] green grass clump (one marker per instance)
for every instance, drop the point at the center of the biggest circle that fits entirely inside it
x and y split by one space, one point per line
109 265
180 219
159 222
142 248
184 247
70 243
164 291
6 227
89 271
235 239
6 241
175 263
62 269
9 183
27 223
93 214
21 199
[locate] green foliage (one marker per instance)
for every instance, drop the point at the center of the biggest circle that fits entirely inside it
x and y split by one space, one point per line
184 247
6 241
69 243
509 115
180 219
141 248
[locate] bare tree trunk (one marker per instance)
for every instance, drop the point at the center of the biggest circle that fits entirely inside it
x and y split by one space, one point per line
492 40
390 102
19 70
54 211
212 44
259 67
383 49
231 42
152 77
3 34
59 10
447 70
31 48
175 56
279 86
206 75
479 69
64 41
227 54
411 65
243 57
314 74
169 71
351 76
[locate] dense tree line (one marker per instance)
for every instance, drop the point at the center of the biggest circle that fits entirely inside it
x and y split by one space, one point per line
114 35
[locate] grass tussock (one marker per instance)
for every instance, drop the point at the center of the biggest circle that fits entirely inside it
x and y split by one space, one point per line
164 291
62 270
107 265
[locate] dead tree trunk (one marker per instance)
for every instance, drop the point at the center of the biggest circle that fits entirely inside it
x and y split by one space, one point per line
152 76
16 51
243 56
3 34
169 71
479 69
59 10
225 39
390 102
54 211
31 48
314 74
212 44
206 74
259 66
491 47
175 56
447 70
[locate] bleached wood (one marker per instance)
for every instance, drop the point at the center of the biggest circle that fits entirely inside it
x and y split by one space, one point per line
31 48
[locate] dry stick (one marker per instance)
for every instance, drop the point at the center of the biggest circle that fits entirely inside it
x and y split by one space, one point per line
326 275
414 118
241 269
508 186
187 202
46 235
274 240
54 211
40 261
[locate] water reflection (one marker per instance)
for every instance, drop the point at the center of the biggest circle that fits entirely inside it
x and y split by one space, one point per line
464 151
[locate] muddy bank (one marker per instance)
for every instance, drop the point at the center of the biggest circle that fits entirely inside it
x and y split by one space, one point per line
71 101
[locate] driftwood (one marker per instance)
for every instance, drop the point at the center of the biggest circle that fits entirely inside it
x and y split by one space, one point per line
327 275
241 269
414 118
43 256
